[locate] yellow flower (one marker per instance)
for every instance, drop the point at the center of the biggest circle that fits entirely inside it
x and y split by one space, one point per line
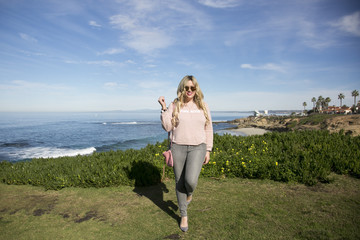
214 163
156 155
227 163
276 163
243 163
202 169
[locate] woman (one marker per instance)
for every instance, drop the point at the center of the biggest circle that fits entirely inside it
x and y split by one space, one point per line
189 121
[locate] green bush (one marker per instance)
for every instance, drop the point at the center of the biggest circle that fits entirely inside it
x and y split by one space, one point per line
315 119
300 156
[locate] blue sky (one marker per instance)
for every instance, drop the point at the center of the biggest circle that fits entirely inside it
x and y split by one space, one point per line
85 55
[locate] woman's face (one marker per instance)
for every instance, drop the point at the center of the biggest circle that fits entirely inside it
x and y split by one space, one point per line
189 91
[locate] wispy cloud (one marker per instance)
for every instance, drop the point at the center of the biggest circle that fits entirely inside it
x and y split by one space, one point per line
349 23
94 24
268 66
112 51
104 63
114 85
130 61
29 53
195 65
233 38
143 39
221 3
313 35
146 41
28 38
299 29
151 84
148 27
149 65
27 85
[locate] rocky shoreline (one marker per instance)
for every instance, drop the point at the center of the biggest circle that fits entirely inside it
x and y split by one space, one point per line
350 124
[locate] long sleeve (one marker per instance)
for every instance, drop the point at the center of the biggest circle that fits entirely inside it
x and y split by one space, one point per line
192 128
209 131
166 118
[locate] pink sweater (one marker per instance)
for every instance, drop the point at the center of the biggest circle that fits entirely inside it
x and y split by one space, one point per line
191 129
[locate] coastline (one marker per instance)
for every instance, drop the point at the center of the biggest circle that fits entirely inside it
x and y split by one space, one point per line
250 131
246 131
349 124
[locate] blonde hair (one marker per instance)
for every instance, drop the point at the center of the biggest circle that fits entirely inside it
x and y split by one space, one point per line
181 96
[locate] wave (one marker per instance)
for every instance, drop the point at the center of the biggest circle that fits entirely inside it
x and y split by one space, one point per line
120 123
45 152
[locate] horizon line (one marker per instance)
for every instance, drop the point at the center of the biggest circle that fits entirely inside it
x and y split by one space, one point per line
147 110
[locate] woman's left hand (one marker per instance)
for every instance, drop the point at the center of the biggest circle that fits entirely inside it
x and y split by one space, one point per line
207 158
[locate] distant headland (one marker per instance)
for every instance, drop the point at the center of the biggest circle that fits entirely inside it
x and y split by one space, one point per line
349 124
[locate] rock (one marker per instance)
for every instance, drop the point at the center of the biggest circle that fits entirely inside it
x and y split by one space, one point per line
333 123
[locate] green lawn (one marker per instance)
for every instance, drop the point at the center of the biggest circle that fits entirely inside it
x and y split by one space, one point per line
221 209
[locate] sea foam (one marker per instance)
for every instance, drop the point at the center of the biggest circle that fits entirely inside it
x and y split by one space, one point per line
50 152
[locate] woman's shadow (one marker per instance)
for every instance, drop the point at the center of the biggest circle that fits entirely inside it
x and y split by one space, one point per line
148 183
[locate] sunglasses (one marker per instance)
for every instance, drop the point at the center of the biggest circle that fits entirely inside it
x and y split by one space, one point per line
188 88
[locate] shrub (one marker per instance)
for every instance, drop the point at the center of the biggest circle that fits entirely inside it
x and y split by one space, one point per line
300 156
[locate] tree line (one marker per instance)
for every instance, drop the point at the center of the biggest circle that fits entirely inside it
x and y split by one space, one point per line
323 103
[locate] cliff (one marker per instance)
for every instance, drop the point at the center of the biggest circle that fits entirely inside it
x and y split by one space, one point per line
350 124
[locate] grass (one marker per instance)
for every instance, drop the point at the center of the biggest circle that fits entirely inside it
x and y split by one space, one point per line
221 209
315 119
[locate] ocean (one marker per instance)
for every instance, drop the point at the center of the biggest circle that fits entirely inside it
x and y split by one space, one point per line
24 136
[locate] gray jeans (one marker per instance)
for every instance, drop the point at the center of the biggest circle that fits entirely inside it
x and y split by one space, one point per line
188 161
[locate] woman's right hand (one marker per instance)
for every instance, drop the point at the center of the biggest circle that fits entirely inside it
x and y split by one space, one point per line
162 102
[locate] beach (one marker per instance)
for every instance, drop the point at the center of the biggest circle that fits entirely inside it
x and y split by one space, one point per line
250 131
246 131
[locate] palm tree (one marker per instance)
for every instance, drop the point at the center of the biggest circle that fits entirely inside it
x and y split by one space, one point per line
341 97
304 104
327 101
355 93
313 100
319 103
